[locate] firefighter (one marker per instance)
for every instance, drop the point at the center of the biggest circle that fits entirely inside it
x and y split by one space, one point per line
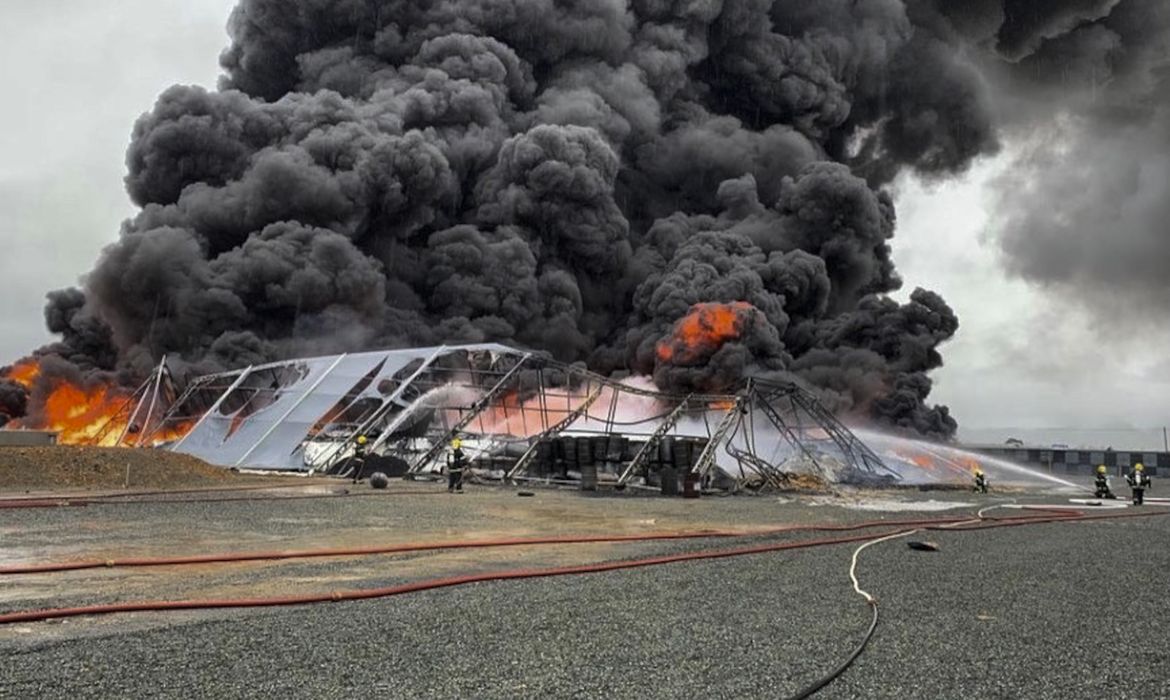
456 464
1102 483
981 483
359 457
1138 483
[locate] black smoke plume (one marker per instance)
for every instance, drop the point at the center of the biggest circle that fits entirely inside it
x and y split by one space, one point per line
13 400
576 177
1082 93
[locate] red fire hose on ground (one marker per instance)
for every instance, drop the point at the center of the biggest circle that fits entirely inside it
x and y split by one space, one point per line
1050 515
129 498
227 557
430 584
1057 514
901 526
154 492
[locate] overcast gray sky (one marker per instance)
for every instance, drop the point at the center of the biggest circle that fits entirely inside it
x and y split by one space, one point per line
76 75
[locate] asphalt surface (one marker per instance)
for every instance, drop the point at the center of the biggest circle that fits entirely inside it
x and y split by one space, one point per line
1069 610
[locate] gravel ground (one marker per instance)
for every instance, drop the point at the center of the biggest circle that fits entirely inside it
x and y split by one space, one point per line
1031 612
115 531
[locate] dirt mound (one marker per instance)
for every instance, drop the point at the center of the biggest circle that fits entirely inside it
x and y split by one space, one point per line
74 467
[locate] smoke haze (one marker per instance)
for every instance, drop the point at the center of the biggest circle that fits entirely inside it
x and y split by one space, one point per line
1098 156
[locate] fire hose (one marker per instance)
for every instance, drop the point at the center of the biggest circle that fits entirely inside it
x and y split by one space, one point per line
1049 515
430 584
815 687
228 557
157 492
953 524
1057 514
126 499
818 684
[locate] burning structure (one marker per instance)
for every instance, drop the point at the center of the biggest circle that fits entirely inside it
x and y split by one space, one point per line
570 177
592 180
524 416
521 415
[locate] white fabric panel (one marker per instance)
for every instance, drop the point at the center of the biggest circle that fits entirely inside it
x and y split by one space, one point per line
270 437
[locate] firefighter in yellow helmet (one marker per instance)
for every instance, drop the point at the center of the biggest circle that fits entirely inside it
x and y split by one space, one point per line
981 483
358 459
456 465
1102 483
1138 483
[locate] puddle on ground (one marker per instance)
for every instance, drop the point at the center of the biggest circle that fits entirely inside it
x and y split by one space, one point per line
890 505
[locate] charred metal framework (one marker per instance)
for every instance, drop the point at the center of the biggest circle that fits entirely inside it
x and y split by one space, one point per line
521 416
140 417
821 444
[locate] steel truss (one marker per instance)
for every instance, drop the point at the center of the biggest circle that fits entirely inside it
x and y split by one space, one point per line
553 431
811 430
706 460
652 443
484 402
136 413
507 403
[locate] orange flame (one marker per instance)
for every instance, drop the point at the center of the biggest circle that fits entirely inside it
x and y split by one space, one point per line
83 415
703 331
925 461
938 463
529 417
921 460
24 372
80 416
971 464
100 416
169 433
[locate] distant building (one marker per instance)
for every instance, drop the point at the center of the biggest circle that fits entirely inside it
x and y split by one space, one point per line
1076 462
27 438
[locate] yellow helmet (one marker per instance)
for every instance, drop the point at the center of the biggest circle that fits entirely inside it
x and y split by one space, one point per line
1101 469
1138 467
456 444
978 471
361 439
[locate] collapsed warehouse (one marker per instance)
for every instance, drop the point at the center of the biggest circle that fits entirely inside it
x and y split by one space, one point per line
521 416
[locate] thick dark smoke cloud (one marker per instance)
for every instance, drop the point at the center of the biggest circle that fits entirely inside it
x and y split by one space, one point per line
13 400
1084 89
715 345
575 177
